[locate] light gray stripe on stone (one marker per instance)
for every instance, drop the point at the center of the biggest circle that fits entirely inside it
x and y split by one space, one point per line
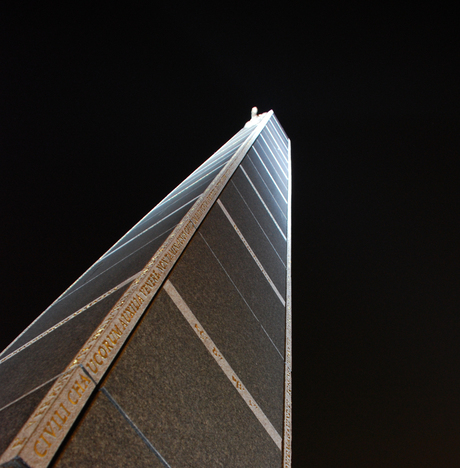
241 295
262 200
253 255
269 173
70 317
222 362
261 228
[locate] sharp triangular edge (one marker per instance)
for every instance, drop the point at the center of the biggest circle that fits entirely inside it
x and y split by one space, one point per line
80 379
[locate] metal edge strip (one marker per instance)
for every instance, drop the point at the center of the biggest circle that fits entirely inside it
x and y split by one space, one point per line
40 437
287 436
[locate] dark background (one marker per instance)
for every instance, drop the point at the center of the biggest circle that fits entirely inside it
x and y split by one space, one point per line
104 111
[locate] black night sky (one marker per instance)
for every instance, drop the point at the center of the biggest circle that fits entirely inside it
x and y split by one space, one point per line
104 111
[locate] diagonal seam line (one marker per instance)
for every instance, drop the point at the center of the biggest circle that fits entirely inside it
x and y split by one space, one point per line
261 199
283 160
268 188
222 362
279 132
136 429
253 255
269 173
111 266
276 171
32 391
145 230
241 295
261 228
273 141
70 317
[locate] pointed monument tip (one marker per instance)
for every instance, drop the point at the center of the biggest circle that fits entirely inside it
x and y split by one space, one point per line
254 112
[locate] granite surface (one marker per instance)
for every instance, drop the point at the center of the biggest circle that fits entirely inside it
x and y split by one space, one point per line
255 236
278 145
232 326
266 222
277 208
103 438
271 164
278 134
245 274
15 415
276 190
173 390
50 355
98 286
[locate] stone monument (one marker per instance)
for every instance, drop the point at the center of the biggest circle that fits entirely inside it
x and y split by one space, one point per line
174 348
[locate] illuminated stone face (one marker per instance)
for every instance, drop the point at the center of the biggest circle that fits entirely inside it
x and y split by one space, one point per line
174 349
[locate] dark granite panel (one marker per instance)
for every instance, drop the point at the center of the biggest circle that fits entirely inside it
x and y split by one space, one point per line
244 272
281 133
268 159
280 145
281 194
276 209
260 212
154 222
95 288
50 355
255 236
14 416
103 438
174 391
232 326
185 195
275 155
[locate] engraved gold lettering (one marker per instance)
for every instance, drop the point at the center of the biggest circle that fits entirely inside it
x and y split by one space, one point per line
139 298
123 323
62 419
102 352
46 442
145 289
238 384
216 353
55 422
96 360
78 388
84 381
126 316
107 345
65 409
90 365
41 454
49 431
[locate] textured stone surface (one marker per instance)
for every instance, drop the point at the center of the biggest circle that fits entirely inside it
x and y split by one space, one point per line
255 236
103 438
260 212
275 190
173 390
276 209
246 275
273 167
14 416
49 356
232 326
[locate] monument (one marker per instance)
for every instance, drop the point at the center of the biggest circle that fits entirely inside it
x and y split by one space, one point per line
174 348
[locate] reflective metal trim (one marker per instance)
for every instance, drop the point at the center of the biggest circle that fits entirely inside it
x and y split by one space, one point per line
287 431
